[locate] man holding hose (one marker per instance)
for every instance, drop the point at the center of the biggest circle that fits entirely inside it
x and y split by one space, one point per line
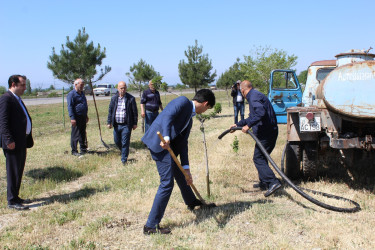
262 119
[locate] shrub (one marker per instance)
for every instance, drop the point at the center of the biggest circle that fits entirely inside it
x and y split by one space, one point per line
2 90
53 94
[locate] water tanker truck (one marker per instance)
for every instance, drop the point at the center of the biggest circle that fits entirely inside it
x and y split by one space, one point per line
335 122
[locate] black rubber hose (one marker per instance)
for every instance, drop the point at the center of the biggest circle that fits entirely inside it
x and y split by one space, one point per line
356 207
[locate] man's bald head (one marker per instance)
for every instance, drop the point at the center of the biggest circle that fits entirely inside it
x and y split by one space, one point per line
246 86
121 87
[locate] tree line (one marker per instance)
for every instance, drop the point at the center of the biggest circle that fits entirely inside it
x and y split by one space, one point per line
80 58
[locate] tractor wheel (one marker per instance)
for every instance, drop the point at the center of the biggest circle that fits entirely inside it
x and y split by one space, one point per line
310 160
293 160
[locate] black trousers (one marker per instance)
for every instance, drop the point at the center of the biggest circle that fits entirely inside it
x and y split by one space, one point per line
266 175
79 134
15 164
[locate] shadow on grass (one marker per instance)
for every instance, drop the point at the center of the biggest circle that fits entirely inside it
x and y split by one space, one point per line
66 198
137 145
57 174
222 214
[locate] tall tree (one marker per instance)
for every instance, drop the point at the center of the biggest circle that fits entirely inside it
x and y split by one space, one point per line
78 59
302 77
196 71
140 74
28 87
258 66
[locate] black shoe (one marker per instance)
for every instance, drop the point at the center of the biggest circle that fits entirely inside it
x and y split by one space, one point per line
76 154
201 205
260 185
272 189
17 206
24 201
124 163
158 230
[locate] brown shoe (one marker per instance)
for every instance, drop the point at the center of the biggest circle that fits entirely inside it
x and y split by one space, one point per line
158 230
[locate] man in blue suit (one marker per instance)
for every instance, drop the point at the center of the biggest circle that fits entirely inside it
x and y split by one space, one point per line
174 123
262 120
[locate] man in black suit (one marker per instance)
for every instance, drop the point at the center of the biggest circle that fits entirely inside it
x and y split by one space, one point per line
15 137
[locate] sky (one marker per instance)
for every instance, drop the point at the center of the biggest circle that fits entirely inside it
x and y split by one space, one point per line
160 31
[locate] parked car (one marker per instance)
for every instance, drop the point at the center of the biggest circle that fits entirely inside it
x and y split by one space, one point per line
87 89
105 89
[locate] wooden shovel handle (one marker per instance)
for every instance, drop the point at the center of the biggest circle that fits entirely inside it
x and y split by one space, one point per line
182 169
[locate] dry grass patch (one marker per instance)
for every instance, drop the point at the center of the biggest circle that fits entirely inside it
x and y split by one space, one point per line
95 202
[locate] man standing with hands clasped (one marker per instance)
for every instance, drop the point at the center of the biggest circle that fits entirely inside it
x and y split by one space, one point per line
174 123
123 117
262 120
150 104
77 107
15 138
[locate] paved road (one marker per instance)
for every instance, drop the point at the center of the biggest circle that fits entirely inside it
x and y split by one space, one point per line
53 100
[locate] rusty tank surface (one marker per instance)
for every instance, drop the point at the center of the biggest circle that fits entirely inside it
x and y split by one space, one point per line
337 121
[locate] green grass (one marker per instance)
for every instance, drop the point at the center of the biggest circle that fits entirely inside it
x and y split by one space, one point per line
96 202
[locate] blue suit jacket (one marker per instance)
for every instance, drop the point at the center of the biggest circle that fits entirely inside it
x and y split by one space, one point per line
262 117
171 122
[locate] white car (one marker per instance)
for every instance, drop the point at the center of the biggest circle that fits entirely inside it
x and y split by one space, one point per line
104 89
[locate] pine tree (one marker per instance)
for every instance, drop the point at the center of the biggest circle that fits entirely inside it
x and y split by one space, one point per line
28 87
78 59
140 74
196 71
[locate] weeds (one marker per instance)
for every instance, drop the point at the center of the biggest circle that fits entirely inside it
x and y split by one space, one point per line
235 145
96 202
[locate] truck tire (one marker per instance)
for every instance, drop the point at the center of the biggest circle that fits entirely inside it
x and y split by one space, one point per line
107 94
310 160
293 160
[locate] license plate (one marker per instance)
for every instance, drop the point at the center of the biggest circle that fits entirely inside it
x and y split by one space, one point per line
306 125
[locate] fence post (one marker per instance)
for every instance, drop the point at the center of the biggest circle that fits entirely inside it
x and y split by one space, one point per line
63 107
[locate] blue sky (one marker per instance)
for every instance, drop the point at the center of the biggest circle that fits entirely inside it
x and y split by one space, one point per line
160 31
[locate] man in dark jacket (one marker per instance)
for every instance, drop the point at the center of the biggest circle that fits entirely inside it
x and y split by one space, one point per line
262 119
123 117
15 138
150 105
77 107
238 101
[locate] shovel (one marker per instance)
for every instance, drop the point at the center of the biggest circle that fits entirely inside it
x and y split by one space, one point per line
183 170
97 115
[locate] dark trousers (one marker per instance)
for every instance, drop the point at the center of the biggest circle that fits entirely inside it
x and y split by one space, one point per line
266 175
121 135
150 117
168 170
15 164
239 107
79 135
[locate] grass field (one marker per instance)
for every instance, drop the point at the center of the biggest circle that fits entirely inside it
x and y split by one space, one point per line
96 202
